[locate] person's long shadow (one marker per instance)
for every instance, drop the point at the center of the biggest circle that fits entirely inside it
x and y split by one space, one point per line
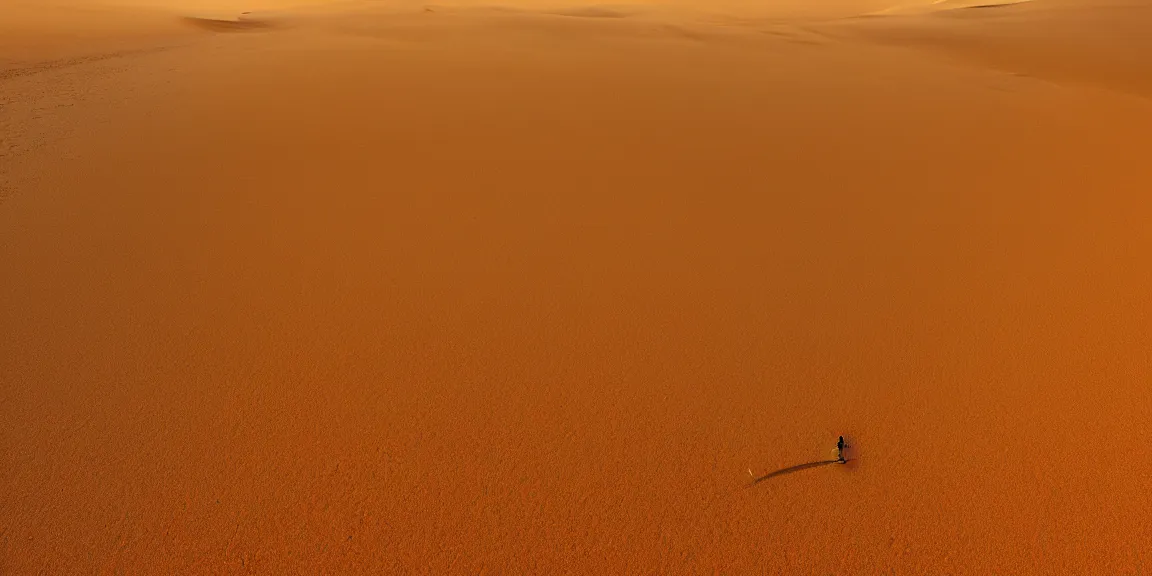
797 468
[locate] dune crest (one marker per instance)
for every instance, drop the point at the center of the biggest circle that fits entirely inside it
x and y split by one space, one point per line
930 7
238 24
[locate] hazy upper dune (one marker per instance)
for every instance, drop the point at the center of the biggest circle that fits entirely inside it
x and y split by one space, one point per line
1103 44
524 287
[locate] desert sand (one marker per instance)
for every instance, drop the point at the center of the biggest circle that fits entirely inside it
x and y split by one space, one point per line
542 287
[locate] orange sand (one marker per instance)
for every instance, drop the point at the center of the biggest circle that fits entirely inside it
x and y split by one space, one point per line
387 287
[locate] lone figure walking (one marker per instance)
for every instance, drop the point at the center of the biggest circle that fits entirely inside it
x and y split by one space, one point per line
840 451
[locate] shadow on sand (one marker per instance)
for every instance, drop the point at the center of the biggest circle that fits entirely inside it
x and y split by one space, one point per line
242 24
797 468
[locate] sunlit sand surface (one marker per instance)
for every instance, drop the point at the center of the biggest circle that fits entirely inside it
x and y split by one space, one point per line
550 287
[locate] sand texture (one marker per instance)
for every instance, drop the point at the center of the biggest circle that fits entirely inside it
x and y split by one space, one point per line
393 287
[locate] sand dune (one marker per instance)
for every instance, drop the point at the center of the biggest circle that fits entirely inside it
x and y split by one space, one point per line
558 287
933 6
1063 42
240 23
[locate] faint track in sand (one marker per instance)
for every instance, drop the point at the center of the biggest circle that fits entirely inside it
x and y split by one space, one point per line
59 63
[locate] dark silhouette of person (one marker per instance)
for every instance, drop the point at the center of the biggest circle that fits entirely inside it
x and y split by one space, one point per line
840 450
